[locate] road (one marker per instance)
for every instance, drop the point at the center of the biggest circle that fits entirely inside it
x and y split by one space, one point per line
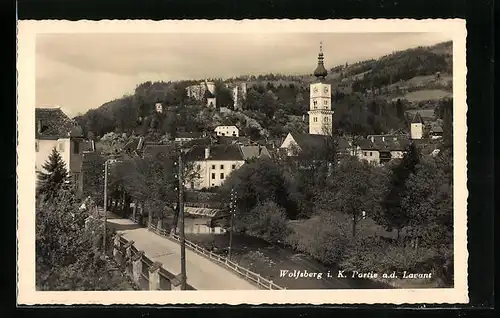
201 273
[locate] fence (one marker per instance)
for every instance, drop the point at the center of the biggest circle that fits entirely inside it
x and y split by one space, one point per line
147 274
247 274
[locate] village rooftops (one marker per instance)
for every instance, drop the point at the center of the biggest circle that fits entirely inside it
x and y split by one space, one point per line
384 143
250 152
53 123
187 134
417 119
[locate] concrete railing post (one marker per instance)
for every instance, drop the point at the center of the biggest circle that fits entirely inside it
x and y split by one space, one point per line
116 249
137 266
154 276
128 249
175 283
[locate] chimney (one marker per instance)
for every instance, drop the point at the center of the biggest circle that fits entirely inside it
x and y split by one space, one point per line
372 138
383 138
207 152
303 117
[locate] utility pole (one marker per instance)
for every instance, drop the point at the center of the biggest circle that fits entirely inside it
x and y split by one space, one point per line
232 209
181 216
105 204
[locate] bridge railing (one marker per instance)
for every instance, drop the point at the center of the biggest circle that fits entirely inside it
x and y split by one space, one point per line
149 275
247 274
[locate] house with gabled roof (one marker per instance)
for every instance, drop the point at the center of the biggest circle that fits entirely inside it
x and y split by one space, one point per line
379 149
54 129
214 163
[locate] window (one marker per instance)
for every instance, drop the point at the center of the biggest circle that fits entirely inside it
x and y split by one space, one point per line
315 119
315 102
213 175
325 102
233 167
370 153
364 153
221 167
36 145
222 176
213 167
76 147
61 147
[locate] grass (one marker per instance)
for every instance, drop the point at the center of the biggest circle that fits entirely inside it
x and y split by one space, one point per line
427 94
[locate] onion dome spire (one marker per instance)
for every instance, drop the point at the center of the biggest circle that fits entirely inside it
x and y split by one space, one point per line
320 72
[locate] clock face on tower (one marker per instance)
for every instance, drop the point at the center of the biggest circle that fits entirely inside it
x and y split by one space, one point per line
326 89
315 89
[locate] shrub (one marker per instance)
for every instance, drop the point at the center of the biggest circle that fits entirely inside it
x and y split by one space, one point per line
268 221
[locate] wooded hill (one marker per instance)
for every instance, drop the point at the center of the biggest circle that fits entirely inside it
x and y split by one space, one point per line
275 103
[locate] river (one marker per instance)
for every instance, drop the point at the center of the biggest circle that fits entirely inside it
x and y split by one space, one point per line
270 261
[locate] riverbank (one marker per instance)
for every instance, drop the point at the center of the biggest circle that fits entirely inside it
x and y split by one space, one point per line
285 267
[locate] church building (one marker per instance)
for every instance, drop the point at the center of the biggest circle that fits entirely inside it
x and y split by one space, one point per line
320 113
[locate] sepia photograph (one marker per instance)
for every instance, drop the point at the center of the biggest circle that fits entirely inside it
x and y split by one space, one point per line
244 159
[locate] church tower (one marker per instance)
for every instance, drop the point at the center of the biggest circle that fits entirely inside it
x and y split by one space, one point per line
320 106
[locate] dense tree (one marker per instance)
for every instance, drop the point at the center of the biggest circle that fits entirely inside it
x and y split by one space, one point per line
68 255
393 215
257 182
54 176
93 177
266 220
351 190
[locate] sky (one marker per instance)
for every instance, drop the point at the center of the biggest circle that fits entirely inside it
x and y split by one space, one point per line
78 72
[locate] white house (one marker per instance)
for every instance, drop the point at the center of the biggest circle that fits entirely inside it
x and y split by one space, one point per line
378 149
227 131
159 108
417 127
54 129
214 163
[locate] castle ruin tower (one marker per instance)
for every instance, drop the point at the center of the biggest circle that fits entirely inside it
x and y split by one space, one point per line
320 106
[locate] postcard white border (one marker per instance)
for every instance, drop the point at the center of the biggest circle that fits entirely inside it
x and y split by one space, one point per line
27 31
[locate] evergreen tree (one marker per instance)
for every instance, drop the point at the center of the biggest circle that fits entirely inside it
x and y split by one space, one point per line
51 181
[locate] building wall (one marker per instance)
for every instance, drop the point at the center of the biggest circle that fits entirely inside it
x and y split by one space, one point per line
211 102
416 130
288 144
227 131
397 154
372 156
210 172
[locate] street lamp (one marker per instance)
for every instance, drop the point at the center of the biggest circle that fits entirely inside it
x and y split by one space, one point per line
108 161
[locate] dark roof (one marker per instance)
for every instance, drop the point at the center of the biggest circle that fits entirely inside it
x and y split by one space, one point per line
436 129
226 140
194 134
54 123
132 144
384 143
154 150
217 152
250 152
305 140
417 119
